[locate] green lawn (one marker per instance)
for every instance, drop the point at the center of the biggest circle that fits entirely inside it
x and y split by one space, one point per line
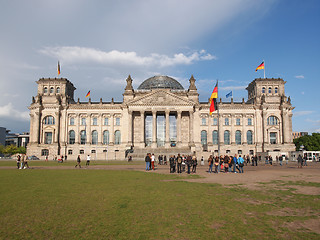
5 163
102 204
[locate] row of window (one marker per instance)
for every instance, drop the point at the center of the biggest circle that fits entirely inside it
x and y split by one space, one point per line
94 121
49 120
226 121
226 135
269 90
45 90
94 137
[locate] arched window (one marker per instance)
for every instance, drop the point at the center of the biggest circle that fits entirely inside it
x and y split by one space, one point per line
275 90
238 137
215 137
226 137
72 137
117 136
51 90
270 90
106 137
249 137
94 137
48 120
272 120
203 137
45 90
72 121
83 137
58 89
263 90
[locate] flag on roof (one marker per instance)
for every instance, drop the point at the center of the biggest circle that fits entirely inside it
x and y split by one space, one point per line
261 66
213 99
229 94
59 68
88 94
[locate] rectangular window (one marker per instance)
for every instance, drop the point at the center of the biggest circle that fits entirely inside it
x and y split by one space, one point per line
273 138
239 151
215 122
95 121
83 121
238 121
117 121
48 137
106 121
72 121
249 121
226 121
93 151
203 121
81 151
69 152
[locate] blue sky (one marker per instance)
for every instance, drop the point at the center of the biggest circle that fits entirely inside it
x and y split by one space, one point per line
99 43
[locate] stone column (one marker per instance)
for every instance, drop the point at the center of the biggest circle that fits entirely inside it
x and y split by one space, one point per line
129 127
221 131
167 143
57 128
285 129
179 128
100 122
142 129
154 129
191 140
77 130
37 126
111 133
209 140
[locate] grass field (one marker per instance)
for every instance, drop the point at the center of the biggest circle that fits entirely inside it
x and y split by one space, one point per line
103 204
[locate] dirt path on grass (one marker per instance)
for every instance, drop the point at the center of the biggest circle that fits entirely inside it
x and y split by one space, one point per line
252 177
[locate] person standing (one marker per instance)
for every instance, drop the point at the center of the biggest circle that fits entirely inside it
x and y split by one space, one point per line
88 160
241 164
280 160
25 163
78 162
18 161
152 161
179 163
216 164
147 160
305 160
235 160
194 164
189 162
300 161
255 160
171 162
210 162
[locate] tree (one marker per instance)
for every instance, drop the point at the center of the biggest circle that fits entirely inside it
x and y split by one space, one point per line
310 142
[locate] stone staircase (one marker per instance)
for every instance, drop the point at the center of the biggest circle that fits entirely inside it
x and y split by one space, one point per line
140 154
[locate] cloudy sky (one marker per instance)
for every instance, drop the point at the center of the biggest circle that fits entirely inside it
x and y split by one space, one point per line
99 43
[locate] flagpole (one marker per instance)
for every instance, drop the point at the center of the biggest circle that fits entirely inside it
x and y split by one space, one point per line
264 70
218 122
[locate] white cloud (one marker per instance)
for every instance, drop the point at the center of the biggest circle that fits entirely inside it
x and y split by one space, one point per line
302 113
81 54
299 77
8 111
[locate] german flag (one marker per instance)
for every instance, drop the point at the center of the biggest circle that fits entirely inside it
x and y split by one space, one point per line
88 94
213 99
59 68
261 66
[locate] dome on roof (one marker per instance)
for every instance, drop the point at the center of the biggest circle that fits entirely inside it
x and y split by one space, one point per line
160 82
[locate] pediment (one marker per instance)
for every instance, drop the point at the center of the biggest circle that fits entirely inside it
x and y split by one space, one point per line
161 98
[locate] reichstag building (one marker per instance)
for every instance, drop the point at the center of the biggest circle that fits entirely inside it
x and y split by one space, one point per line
160 117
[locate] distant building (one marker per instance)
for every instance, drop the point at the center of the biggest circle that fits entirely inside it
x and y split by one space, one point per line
160 116
17 139
299 134
2 136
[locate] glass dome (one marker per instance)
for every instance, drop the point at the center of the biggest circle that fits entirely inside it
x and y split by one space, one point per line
160 82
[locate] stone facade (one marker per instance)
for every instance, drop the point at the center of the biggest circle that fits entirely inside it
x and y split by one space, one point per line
160 116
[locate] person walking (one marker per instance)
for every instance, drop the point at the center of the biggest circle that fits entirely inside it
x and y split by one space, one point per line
78 162
88 160
241 164
300 161
305 160
171 162
25 163
280 160
255 160
216 164
235 160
